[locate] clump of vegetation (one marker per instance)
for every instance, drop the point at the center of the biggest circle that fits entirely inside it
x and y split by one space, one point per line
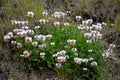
66 47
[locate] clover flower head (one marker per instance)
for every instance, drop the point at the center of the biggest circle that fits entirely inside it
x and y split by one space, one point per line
87 35
30 14
71 41
28 39
42 55
58 65
45 13
35 43
56 24
94 64
52 43
26 54
66 24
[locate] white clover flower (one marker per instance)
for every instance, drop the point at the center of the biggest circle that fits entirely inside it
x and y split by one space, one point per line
52 43
78 60
112 46
85 60
26 54
90 50
6 38
13 42
11 34
37 27
35 43
42 47
58 65
24 33
66 24
89 21
85 69
30 14
42 55
81 27
20 34
76 54
25 27
68 12
104 24
41 38
61 53
74 49
28 39
71 41
99 36
98 28
88 41
49 36
30 32
78 18
93 64
56 24
87 35
106 54
55 55
19 45
45 13
61 59
42 21
91 59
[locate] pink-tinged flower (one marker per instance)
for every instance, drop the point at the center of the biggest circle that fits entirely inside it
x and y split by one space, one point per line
13 42
42 55
41 38
71 41
30 14
87 35
35 43
42 47
26 54
99 36
98 28
6 38
61 59
19 45
93 64
56 24
74 49
30 32
89 21
85 60
28 39
78 60
58 65
20 34
11 34
106 54
61 53
66 24
49 36
42 21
